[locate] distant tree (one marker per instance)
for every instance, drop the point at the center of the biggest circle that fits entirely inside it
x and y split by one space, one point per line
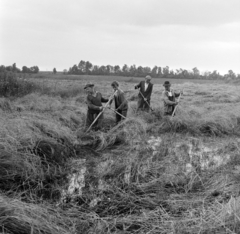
214 75
110 69
82 67
74 69
102 70
88 68
196 72
146 71
154 71
14 67
25 69
2 68
140 71
160 72
171 74
117 70
54 70
65 71
35 69
125 70
95 70
231 74
132 70
206 74
166 71
9 68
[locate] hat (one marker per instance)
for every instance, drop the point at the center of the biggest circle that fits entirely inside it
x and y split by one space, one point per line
115 83
88 85
148 77
166 83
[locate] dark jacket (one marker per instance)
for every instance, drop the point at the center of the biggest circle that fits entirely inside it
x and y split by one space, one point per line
95 102
146 93
120 100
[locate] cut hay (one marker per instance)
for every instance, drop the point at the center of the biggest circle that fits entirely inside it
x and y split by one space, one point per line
125 133
52 152
208 126
17 217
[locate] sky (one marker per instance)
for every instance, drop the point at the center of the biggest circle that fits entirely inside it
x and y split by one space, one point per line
175 33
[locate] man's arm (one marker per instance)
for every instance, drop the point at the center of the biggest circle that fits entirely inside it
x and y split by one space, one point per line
138 86
178 94
91 105
166 100
104 99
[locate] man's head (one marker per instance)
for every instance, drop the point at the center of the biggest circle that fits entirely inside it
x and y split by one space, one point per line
89 88
148 79
115 85
167 85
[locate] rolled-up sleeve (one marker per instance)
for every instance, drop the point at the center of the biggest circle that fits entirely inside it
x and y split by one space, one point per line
166 100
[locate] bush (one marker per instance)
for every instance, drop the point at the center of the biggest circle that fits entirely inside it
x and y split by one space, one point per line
10 85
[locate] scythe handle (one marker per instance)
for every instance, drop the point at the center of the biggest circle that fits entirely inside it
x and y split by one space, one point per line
101 111
176 105
145 100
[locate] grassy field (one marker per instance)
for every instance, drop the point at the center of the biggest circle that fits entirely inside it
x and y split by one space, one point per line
61 76
150 174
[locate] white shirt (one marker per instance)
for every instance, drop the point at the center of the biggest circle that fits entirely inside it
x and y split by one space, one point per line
146 86
169 93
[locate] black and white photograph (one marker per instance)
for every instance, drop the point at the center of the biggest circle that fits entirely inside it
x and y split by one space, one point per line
119 117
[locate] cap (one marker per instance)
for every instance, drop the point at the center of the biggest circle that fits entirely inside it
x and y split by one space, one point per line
89 85
148 77
166 83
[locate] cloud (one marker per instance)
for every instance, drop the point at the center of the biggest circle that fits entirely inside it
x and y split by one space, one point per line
148 32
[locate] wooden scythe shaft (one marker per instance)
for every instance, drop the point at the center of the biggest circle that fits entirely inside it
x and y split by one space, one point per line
118 113
176 105
101 111
145 100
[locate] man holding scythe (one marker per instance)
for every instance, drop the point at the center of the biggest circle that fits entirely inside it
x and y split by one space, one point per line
94 102
121 104
145 92
169 99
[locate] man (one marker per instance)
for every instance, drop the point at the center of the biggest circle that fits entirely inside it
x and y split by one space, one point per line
121 104
145 93
169 99
94 102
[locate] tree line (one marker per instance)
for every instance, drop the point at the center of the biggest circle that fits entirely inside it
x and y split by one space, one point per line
87 68
14 68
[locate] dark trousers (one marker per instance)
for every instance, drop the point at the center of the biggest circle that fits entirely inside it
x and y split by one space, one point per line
142 105
91 117
170 110
119 117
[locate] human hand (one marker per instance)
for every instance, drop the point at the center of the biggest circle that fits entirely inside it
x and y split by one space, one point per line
100 108
145 99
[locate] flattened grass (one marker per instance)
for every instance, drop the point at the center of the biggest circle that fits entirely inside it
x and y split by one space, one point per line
130 187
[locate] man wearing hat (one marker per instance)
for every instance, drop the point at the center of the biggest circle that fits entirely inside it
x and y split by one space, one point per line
94 102
169 99
121 104
145 93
